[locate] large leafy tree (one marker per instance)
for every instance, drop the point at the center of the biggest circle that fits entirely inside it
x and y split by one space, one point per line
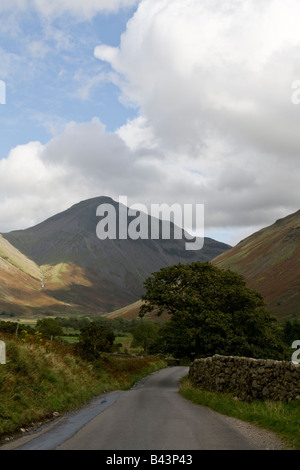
212 311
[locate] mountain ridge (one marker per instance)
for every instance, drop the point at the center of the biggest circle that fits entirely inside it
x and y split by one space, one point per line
85 274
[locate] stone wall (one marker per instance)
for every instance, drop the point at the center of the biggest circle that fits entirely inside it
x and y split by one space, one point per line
246 378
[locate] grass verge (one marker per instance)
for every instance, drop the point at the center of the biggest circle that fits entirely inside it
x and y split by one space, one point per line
38 380
279 417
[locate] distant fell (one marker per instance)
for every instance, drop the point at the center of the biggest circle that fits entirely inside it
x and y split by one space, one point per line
20 283
89 275
270 262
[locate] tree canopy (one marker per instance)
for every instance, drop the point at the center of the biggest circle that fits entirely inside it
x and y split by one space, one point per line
93 340
212 311
49 328
145 334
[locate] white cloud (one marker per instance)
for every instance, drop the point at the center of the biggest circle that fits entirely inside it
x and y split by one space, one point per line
83 161
189 67
212 84
136 133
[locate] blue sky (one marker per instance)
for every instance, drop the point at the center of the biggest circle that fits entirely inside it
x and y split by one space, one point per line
161 101
50 67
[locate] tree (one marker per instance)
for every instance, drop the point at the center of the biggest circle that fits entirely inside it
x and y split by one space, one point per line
93 340
291 331
49 328
145 334
212 312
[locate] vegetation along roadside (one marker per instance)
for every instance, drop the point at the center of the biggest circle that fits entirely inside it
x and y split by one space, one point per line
58 364
42 379
282 418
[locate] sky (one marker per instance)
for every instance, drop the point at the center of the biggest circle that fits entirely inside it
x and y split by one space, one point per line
161 101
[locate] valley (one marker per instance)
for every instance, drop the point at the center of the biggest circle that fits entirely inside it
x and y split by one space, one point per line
60 267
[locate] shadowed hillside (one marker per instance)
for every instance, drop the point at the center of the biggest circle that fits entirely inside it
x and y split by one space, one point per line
270 261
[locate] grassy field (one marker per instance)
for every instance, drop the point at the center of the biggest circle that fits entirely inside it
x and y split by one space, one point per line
124 343
281 418
40 379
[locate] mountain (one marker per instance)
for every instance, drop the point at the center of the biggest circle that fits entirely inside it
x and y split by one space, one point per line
270 262
78 272
20 283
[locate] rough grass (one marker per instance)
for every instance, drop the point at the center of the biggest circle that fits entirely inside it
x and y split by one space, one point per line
40 379
282 418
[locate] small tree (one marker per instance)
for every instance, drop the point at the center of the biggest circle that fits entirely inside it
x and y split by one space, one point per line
291 331
49 328
145 335
212 312
93 340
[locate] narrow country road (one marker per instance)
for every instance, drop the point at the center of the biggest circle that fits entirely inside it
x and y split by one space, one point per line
150 416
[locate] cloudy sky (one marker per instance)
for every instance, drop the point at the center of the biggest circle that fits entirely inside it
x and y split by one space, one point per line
162 101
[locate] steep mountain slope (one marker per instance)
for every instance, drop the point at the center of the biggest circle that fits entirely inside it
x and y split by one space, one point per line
270 261
21 282
93 275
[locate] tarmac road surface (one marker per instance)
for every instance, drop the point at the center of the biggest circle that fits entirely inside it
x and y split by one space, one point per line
150 416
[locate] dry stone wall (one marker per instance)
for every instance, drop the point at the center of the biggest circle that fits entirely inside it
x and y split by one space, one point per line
248 379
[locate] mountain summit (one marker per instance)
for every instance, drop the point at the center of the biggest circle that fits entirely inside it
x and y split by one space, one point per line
82 273
270 262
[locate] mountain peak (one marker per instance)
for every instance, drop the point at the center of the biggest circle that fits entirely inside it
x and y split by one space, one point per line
93 275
